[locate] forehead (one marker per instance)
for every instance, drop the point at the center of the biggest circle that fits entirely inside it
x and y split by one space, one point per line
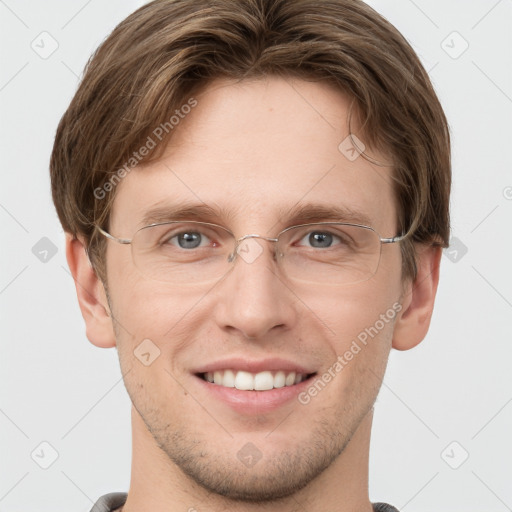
253 151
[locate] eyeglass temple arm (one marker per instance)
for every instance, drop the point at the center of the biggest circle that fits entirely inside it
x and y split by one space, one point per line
392 240
108 235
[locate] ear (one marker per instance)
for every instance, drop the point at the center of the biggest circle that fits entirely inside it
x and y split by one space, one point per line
91 295
418 300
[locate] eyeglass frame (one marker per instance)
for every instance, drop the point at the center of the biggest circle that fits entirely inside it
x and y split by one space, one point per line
231 258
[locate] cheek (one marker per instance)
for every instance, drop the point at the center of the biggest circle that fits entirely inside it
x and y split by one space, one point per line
144 307
147 308
155 318
360 349
364 306
361 323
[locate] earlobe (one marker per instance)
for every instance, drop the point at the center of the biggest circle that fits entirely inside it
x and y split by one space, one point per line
91 295
418 300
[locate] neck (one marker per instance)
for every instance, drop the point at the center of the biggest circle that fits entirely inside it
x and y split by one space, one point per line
158 484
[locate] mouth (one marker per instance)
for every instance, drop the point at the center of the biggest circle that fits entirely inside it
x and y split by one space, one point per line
248 381
254 386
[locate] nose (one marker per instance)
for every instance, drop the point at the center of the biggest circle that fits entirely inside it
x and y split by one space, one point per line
253 298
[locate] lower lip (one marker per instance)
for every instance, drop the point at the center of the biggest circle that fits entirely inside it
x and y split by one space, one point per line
255 402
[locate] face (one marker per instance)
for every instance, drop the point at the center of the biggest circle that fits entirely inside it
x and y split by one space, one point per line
255 152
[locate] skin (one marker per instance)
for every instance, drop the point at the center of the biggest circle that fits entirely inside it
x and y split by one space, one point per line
253 148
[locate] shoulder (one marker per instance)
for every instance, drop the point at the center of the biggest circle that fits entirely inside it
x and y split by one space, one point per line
383 507
110 502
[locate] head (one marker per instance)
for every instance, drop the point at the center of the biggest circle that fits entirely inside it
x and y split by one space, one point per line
266 113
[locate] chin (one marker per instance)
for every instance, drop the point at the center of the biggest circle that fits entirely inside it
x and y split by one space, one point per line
273 477
272 482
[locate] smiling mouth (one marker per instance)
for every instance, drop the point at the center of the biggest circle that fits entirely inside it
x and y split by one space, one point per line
247 381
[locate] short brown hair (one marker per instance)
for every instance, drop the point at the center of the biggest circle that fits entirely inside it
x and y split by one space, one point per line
166 51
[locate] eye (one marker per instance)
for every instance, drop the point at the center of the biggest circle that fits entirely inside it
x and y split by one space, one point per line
320 239
188 240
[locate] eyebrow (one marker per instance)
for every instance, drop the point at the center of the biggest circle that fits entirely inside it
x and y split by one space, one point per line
317 212
185 211
301 213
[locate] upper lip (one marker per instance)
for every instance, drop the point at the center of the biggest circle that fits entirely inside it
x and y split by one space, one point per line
254 365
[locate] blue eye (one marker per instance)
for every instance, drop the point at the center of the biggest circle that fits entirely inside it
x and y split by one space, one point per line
320 239
188 240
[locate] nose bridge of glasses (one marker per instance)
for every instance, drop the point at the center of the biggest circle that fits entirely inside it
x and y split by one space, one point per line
239 246
245 237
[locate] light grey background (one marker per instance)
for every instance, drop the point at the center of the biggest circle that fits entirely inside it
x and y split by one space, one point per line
455 387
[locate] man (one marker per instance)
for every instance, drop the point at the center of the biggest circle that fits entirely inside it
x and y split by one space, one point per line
255 195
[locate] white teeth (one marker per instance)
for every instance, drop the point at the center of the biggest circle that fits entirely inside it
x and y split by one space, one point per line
247 381
279 379
263 381
244 381
228 380
290 379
